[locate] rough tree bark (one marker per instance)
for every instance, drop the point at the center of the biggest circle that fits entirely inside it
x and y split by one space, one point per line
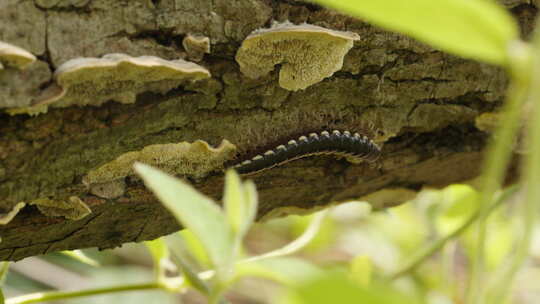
429 111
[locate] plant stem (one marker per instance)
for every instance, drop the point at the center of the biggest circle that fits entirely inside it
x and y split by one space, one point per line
431 249
495 166
531 177
58 295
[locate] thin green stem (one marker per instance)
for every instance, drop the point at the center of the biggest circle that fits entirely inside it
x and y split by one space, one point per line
531 177
59 295
299 243
495 165
431 249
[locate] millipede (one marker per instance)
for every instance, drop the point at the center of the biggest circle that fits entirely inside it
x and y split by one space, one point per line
338 143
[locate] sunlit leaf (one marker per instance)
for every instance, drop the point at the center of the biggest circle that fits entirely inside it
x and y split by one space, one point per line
403 225
196 212
310 232
336 288
360 270
160 255
81 257
478 29
459 203
240 200
191 277
326 232
4 267
282 269
500 239
194 247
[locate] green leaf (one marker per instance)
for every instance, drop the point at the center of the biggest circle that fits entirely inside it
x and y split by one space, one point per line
160 255
4 267
81 257
283 270
193 246
240 202
195 212
459 203
299 243
333 287
191 277
477 29
360 270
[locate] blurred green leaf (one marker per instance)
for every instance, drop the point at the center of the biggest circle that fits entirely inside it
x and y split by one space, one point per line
81 257
191 277
284 270
160 255
326 233
360 270
459 203
478 29
194 248
336 288
4 267
404 225
2 299
196 212
240 202
309 234
500 239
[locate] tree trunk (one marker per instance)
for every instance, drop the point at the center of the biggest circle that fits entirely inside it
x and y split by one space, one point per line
428 111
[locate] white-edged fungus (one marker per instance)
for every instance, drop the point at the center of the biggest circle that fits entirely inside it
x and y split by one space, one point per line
14 56
118 77
6 217
307 53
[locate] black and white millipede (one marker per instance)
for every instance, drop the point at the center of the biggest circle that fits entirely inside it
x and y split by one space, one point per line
338 143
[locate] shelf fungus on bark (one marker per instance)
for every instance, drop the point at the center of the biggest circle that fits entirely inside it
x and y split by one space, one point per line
21 76
7 215
13 56
307 53
195 160
196 46
72 208
118 77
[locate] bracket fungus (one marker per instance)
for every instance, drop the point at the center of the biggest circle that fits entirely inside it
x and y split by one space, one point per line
196 46
13 56
195 159
307 53
118 77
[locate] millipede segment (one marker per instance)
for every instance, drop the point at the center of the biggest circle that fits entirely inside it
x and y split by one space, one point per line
337 143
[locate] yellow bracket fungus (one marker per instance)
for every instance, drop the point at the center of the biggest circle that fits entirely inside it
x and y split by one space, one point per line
118 77
195 159
307 53
13 56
